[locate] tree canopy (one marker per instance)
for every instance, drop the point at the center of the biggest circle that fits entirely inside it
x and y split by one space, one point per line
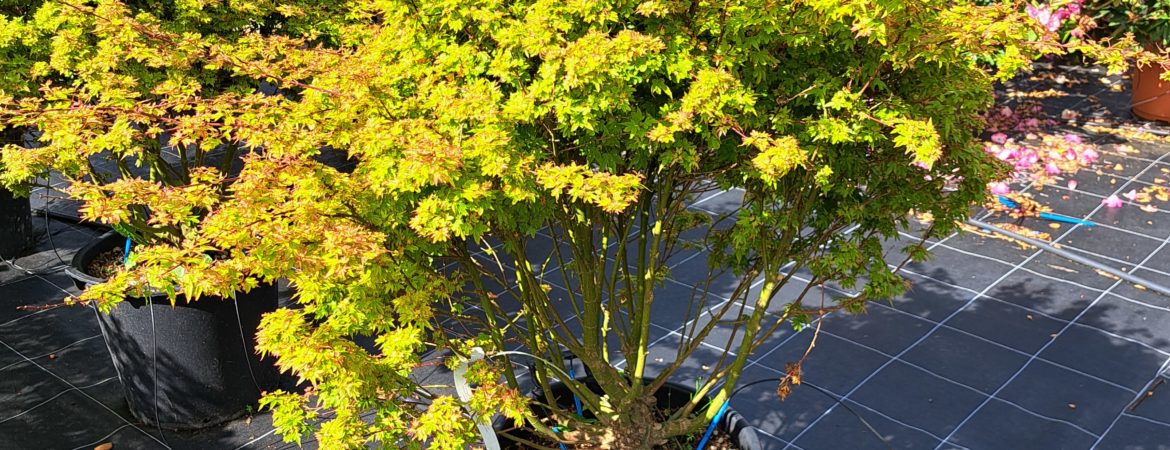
473 120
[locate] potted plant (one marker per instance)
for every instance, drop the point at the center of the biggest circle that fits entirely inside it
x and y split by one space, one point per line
521 189
1148 22
15 214
544 156
110 117
15 211
15 224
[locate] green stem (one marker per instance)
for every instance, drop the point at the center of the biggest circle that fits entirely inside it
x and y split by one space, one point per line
647 267
736 368
489 309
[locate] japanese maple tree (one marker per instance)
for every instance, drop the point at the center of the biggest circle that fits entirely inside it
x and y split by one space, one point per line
488 125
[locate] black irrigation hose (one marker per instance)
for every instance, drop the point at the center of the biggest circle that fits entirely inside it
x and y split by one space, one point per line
871 429
48 213
53 245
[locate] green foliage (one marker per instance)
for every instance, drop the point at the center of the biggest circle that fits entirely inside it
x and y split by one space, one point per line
195 127
290 418
1146 20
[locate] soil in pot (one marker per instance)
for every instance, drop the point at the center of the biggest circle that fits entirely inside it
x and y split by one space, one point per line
187 366
719 440
104 264
732 433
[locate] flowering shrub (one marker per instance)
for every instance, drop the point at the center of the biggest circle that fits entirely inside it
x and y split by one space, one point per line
483 129
1147 20
1053 16
1041 162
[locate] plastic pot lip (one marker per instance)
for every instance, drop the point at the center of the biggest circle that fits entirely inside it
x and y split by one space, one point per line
84 255
81 259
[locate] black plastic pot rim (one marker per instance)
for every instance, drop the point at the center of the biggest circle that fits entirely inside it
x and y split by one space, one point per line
76 266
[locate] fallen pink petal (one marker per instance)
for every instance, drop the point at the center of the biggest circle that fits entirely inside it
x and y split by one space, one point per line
999 138
1000 188
1089 155
1132 194
1112 202
1072 184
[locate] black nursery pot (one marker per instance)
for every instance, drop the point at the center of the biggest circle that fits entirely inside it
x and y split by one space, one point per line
15 224
670 397
189 366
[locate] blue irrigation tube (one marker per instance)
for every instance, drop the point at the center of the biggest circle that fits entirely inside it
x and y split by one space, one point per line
558 430
714 423
576 401
126 252
1054 217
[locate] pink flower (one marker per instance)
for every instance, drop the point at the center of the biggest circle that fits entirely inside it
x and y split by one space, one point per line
1045 17
999 138
1006 111
1072 139
1026 158
999 188
1112 202
1089 155
1132 194
1072 9
1051 168
1061 14
1070 154
1072 184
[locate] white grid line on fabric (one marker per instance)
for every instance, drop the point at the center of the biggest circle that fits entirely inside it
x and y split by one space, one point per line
964 385
956 312
839 398
53 351
1137 396
91 445
1071 322
1147 419
1043 314
256 439
71 388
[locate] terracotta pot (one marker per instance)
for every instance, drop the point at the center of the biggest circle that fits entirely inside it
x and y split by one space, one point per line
1151 95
